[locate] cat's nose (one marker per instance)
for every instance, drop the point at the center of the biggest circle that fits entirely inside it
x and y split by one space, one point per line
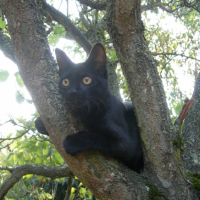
72 92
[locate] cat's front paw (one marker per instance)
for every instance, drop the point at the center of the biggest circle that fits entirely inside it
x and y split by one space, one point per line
40 126
72 144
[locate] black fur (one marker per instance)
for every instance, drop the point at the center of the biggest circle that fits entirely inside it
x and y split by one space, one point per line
111 125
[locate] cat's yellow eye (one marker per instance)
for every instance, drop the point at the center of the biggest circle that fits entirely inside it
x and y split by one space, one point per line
87 80
65 82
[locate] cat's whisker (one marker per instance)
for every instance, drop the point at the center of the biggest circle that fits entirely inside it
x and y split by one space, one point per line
100 101
90 98
88 109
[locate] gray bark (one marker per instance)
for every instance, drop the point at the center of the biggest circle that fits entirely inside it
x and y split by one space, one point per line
191 133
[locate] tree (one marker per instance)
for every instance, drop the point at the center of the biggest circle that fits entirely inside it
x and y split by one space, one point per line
165 171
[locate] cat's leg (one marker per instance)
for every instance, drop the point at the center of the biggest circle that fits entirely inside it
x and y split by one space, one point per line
40 126
106 142
122 149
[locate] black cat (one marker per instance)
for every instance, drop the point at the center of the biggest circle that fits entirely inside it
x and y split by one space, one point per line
111 125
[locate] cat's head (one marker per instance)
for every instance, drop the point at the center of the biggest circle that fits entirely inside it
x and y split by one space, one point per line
83 83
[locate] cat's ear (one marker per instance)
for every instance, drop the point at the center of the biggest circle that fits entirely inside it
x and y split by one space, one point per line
63 61
97 56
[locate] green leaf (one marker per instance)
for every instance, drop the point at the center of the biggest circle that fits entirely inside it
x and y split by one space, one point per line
2 23
25 144
19 79
48 196
29 101
19 98
58 33
82 192
33 149
53 39
3 75
59 30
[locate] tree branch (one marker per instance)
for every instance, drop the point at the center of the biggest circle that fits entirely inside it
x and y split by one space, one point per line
167 8
192 5
191 133
18 172
162 6
14 138
69 187
69 26
185 109
175 54
6 46
99 5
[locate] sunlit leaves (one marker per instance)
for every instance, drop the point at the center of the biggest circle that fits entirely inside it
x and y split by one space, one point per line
58 32
80 190
19 97
175 44
112 54
19 79
2 23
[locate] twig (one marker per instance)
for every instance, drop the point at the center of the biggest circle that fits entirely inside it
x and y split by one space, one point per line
7 169
69 187
7 145
14 138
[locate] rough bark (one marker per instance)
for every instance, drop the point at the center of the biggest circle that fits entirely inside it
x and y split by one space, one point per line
191 133
106 178
161 167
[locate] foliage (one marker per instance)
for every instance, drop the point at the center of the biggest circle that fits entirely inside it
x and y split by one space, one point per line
36 187
175 45
36 149
57 33
154 193
195 179
178 141
2 23
29 148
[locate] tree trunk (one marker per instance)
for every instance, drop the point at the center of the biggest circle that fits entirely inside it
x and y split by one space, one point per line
161 167
191 132
105 177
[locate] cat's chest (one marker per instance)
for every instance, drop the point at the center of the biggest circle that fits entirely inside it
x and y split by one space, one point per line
95 122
